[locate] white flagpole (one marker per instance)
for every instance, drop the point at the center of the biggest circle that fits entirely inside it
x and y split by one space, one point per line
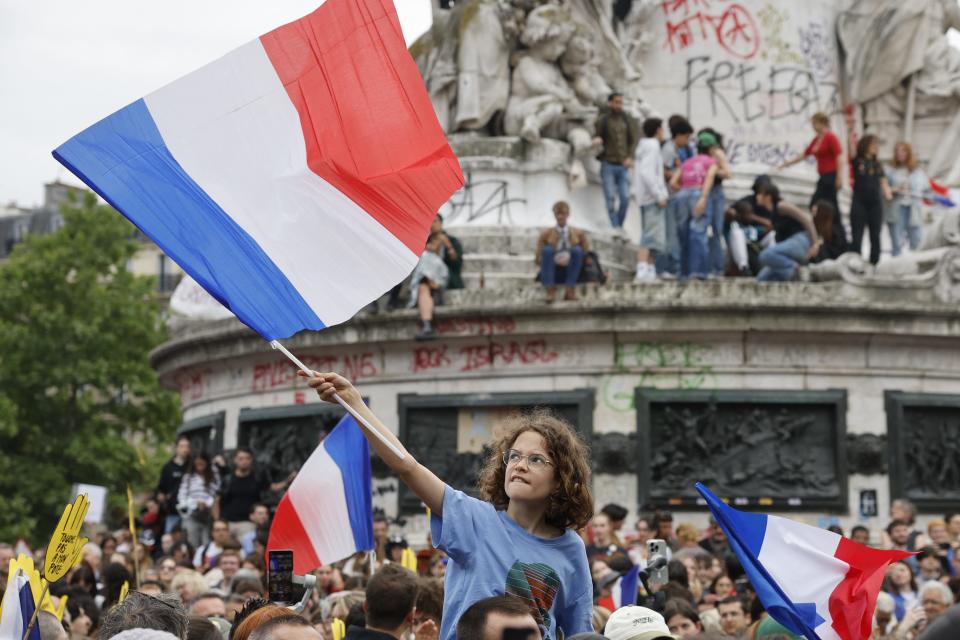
370 428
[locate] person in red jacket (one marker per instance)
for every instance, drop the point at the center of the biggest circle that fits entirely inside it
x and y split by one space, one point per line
828 151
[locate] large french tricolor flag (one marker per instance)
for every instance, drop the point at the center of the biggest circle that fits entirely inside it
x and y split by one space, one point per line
17 609
295 178
812 581
327 513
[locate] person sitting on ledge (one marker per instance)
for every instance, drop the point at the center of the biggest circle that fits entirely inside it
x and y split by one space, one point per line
427 282
560 254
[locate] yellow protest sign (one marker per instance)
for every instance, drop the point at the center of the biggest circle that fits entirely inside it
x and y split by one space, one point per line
66 544
409 559
38 586
338 629
124 590
133 525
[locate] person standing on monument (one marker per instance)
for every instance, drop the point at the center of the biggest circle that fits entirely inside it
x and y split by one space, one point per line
828 151
870 189
561 251
521 538
652 195
618 133
677 150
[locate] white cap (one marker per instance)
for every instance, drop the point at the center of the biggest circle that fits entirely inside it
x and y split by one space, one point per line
636 623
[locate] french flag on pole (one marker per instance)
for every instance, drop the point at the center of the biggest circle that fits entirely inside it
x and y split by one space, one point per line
327 513
17 609
812 581
295 178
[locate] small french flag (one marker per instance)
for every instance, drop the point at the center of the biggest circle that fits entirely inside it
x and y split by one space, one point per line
327 513
17 609
812 581
624 592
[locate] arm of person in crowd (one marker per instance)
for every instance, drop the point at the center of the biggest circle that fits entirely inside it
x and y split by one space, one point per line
418 478
701 205
885 189
216 508
283 484
675 179
792 161
841 165
723 165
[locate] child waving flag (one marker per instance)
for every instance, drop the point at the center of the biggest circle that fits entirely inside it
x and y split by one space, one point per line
521 538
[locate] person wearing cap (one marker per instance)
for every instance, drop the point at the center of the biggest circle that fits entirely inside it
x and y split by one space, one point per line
694 182
637 623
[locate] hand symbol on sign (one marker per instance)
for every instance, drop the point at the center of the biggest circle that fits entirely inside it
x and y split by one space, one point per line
66 544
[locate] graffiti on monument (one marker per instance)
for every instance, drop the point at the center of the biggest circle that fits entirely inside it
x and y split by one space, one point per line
785 447
480 199
728 24
664 365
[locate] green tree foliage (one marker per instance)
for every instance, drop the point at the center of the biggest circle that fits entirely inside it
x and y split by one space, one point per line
79 401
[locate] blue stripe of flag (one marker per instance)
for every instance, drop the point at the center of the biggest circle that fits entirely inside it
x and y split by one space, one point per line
349 449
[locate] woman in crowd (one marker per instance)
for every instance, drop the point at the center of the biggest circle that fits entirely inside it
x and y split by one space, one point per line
682 619
198 491
907 183
717 205
828 152
535 488
902 586
830 230
870 189
694 182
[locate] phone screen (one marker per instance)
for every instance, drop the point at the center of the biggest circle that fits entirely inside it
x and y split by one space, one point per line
280 575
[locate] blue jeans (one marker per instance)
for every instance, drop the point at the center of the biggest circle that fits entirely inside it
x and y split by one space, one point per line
616 181
716 205
779 263
550 273
901 226
669 260
692 235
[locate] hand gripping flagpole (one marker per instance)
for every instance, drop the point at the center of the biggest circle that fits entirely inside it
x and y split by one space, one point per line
353 412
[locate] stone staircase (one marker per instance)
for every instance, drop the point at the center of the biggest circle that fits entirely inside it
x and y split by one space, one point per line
503 257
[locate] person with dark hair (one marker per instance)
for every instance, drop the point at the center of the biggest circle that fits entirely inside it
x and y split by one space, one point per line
860 534
196 497
617 515
560 253
682 619
286 627
716 205
487 619
796 235
694 182
390 605
535 490
616 131
139 611
429 616
207 554
240 489
651 192
830 229
169 485
674 152
208 604
451 251
870 189
114 576
828 151
901 584
199 628
734 615
84 614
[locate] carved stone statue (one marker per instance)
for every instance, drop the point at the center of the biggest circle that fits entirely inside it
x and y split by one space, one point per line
900 67
541 99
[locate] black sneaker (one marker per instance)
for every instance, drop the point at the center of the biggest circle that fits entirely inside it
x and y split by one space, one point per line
426 334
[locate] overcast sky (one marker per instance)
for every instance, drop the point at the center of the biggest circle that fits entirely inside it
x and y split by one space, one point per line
65 64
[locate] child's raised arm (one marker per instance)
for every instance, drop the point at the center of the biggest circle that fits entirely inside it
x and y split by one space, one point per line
417 477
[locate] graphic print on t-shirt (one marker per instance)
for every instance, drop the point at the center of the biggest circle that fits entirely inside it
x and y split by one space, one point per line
536 584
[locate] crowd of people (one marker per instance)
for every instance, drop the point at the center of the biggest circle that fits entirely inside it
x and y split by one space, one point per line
197 568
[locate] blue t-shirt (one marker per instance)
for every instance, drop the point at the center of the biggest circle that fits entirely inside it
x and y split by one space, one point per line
490 555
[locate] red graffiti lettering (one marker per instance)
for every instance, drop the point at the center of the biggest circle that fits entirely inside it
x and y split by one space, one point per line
192 385
507 353
475 326
269 375
735 29
426 358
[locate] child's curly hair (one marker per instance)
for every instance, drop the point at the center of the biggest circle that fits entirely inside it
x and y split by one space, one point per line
571 506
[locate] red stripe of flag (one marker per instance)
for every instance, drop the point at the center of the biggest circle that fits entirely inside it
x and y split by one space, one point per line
288 532
372 150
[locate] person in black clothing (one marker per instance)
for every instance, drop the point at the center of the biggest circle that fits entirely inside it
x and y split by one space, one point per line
749 235
390 605
169 483
451 251
241 489
870 188
797 239
830 229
